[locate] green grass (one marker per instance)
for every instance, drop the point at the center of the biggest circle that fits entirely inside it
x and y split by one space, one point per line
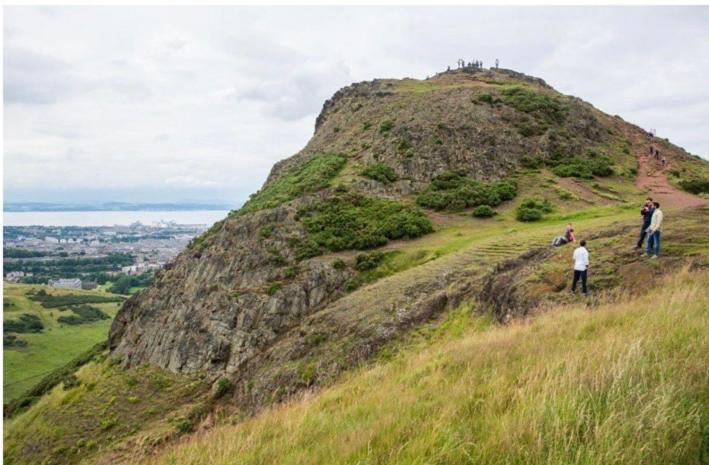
56 345
313 175
104 405
623 383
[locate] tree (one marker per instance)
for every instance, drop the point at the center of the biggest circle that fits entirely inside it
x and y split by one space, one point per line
121 285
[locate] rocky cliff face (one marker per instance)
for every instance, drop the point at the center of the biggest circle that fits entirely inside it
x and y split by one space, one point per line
253 283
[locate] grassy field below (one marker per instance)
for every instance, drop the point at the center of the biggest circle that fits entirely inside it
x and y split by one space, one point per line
55 345
624 382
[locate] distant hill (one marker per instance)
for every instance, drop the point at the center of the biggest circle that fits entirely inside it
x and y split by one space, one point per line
110 206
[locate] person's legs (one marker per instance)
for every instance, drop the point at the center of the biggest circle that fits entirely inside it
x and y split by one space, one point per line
577 275
642 238
650 243
584 275
656 241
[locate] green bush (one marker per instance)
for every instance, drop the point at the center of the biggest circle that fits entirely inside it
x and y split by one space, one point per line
533 209
456 191
83 314
586 167
386 126
695 185
274 287
184 426
224 387
380 172
353 221
10 340
483 211
70 381
339 264
290 272
488 99
368 261
267 231
530 162
53 301
311 176
26 323
546 108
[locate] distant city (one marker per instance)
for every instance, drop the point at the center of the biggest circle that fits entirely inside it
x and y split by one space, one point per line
76 257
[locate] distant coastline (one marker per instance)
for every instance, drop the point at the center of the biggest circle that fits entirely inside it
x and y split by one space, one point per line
113 206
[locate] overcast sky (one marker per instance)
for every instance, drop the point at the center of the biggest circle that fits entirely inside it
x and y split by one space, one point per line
183 103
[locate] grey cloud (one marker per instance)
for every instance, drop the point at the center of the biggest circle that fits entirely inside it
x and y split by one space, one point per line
32 77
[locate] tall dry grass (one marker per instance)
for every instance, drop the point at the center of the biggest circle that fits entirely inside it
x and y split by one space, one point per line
622 383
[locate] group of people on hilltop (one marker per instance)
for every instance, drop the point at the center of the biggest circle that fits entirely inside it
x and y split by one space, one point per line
651 230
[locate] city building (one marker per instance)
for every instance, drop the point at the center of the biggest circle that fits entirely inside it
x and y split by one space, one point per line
64 283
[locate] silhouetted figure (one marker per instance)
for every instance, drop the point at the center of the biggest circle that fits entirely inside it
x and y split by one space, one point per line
497 63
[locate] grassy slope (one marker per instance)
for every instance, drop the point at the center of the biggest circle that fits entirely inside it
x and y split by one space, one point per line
458 236
103 414
625 382
53 347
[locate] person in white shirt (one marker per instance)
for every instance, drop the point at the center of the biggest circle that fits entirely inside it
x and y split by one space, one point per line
580 267
654 232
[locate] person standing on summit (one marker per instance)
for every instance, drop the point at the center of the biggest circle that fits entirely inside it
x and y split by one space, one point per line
580 268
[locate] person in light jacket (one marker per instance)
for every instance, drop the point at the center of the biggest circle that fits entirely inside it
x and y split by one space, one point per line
654 232
580 267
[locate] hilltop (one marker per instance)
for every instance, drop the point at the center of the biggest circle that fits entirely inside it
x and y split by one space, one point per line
415 200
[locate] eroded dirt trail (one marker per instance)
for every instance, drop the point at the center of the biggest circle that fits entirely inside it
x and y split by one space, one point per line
652 176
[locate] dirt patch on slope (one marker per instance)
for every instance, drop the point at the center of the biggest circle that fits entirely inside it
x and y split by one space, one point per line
652 177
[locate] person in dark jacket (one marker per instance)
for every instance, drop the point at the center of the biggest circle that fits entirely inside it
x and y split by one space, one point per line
646 212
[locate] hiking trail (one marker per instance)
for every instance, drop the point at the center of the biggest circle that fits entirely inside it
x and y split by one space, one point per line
652 177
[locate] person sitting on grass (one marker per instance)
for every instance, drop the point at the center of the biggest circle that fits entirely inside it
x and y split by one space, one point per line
566 238
580 268
654 232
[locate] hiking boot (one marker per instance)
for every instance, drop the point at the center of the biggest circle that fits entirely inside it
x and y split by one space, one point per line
654 256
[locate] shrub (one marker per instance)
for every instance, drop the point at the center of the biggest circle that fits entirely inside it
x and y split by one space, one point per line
353 221
386 126
339 264
10 340
456 191
364 262
483 211
533 209
380 172
224 386
307 248
488 99
352 284
274 287
290 272
311 176
70 381
529 162
184 426
548 109
695 185
267 231
83 314
585 167
26 323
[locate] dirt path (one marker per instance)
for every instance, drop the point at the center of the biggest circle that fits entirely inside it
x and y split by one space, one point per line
652 176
